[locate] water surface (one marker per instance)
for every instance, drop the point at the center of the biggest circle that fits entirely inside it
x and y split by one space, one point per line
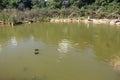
74 51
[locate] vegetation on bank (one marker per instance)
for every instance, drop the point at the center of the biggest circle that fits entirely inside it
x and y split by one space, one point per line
22 11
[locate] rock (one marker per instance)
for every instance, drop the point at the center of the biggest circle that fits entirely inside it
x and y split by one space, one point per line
118 23
112 22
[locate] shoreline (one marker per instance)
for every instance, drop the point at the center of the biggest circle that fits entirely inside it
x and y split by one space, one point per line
69 20
85 20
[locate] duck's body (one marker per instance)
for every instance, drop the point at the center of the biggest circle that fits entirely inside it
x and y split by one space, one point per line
36 49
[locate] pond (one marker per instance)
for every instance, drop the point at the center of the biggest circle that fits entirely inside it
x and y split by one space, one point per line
60 51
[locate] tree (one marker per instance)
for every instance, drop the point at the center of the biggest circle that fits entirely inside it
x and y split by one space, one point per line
21 6
36 3
27 3
66 3
13 3
3 4
58 3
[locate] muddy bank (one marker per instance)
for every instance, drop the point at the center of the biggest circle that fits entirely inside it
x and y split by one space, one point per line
17 23
95 21
69 20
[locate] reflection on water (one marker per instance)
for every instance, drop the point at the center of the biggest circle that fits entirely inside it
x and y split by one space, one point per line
84 52
32 38
64 46
13 42
115 62
90 52
0 48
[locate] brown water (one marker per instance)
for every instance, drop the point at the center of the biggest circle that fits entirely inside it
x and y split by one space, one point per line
66 52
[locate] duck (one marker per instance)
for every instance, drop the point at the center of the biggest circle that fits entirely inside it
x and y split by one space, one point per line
36 49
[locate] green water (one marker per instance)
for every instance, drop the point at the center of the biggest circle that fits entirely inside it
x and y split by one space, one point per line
66 52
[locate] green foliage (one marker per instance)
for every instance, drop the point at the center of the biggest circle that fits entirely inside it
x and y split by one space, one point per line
21 6
4 4
114 7
5 17
36 4
63 8
13 3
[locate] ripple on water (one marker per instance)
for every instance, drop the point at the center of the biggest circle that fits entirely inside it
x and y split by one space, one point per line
64 46
12 42
25 69
115 62
38 78
0 49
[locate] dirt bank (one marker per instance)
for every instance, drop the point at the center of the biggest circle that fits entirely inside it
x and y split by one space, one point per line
95 21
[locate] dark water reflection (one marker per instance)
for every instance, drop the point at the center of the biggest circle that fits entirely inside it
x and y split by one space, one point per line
66 52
